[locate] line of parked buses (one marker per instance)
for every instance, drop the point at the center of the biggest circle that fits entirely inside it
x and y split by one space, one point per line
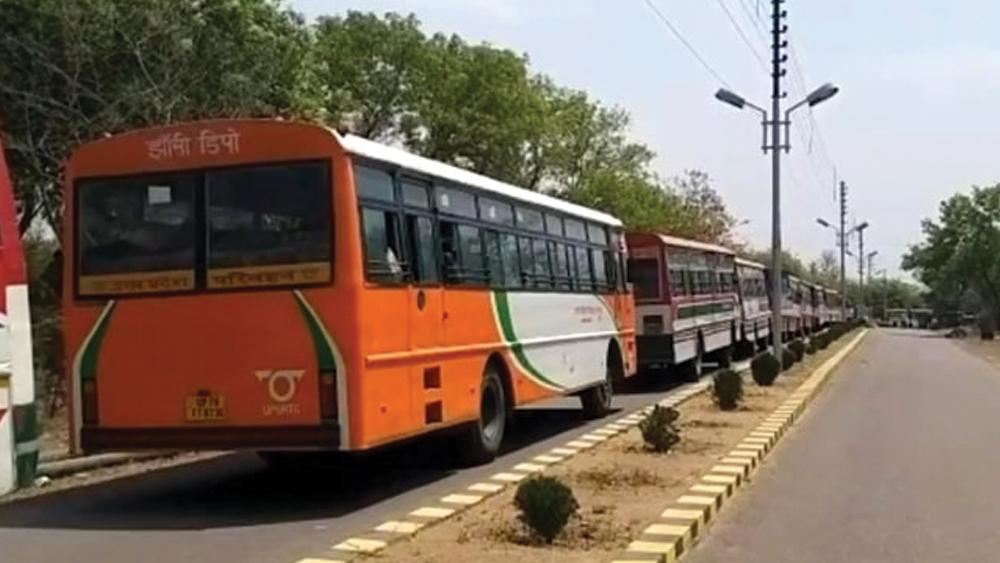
277 286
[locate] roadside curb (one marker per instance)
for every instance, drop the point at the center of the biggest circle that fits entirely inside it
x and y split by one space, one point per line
446 507
686 520
68 466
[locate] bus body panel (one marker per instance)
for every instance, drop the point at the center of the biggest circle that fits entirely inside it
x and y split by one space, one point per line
406 358
668 326
230 343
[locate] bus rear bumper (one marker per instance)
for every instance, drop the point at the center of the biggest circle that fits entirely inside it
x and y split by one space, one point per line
102 439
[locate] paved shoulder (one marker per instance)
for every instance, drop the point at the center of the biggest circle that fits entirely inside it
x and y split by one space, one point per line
896 462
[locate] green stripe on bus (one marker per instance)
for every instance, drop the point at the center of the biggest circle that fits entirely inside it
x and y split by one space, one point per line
92 347
688 311
325 358
26 432
507 326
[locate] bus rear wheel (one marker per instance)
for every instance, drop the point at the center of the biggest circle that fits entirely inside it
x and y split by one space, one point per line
482 441
596 401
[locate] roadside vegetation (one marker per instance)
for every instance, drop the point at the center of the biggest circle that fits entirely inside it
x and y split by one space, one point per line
587 508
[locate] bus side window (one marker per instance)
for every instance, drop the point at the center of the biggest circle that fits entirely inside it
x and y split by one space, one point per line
494 260
420 229
383 259
511 263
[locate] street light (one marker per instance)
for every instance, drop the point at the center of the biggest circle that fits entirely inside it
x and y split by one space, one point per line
817 96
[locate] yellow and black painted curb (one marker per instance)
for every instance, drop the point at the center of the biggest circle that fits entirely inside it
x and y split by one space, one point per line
448 506
685 521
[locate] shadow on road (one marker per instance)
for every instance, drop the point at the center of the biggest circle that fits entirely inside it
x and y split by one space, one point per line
239 490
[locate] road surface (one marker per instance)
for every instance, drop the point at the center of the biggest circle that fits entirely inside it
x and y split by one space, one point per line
897 461
233 509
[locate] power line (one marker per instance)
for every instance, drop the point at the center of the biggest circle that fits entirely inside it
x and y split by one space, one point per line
694 52
743 36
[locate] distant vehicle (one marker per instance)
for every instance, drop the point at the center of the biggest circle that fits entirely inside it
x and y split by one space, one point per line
272 286
687 305
755 308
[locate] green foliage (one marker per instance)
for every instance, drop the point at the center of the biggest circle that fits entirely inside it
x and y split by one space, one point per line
545 505
787 358
810 346
658 429
960 252
821 340
765 369
798 348
727 387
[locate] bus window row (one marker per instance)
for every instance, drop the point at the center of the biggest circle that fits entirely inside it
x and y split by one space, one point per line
511 247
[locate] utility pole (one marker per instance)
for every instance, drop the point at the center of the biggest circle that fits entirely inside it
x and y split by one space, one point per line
778 58
774 122
861 271
885 294
843 249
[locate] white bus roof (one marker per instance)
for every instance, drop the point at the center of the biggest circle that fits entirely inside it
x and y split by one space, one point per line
421 165
750 263
685 243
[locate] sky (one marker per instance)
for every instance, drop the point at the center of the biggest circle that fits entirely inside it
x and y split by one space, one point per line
914 121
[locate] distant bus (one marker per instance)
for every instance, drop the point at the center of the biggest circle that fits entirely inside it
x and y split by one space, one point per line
272 286
686 302
811 305
755 308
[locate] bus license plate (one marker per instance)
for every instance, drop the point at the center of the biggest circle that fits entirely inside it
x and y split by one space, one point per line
201 408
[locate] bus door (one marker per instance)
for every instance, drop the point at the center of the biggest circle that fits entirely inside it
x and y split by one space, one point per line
425 313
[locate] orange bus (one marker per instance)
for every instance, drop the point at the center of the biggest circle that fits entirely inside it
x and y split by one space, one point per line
274 286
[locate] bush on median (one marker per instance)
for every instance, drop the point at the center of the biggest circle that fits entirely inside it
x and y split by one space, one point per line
658 430
546 506
765 369
798 348
787 358
727 386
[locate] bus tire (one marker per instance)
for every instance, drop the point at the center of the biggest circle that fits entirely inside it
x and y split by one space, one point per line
482 440
693 369
596 401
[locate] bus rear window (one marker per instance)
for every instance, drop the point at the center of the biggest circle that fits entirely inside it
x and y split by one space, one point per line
136 235
263 217
644 273
220 229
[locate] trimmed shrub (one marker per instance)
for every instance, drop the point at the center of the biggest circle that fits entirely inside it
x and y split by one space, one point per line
658 430
765 369
798 348
822 340
545 505
787 358
811 345
727 386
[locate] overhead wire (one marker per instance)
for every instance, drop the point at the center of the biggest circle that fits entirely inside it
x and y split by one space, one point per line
809 132
680 37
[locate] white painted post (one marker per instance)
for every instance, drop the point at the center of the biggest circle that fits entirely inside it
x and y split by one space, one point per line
8 468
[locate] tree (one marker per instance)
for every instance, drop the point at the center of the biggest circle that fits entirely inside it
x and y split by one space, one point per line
72 70
961 249
369 67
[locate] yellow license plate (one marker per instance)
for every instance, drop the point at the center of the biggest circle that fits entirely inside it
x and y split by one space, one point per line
201 408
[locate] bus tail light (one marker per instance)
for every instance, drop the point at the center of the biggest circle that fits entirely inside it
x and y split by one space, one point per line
88 395
328 395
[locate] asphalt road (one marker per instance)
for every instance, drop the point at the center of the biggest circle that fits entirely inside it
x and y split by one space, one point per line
897 461
233 509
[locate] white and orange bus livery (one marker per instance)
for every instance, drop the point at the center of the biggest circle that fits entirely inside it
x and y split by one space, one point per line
269 285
